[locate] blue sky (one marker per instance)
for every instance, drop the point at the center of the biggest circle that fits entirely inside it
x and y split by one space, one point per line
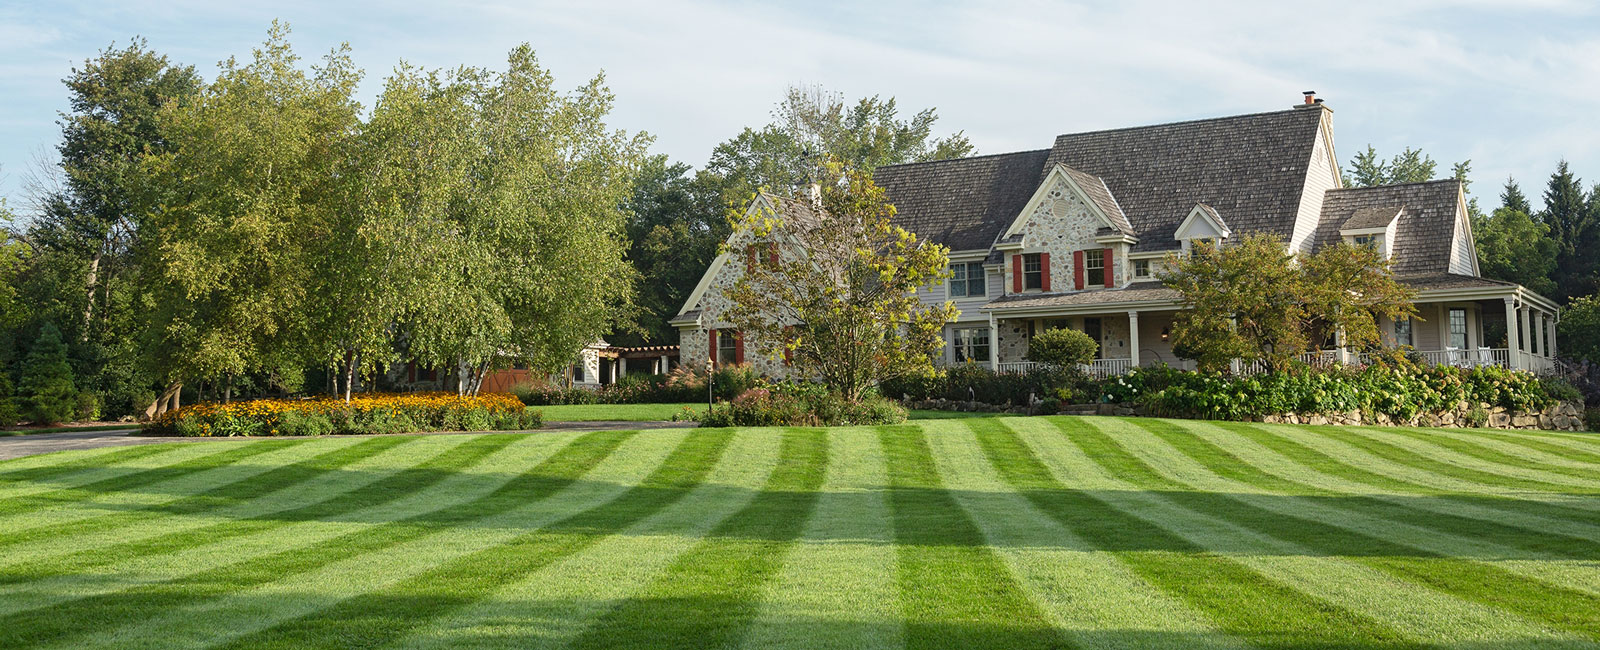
1512 85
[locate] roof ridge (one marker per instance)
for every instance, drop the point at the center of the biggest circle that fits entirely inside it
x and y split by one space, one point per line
1380 187
948 160
1185 122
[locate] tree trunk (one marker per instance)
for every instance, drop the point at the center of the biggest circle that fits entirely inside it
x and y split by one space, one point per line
349 374
93 280
166 401
227 390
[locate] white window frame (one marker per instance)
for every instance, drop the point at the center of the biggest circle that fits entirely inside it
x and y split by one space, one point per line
726 343
970 343
1404 333
1450 328
1142 270
1037 262
1095 275
969 272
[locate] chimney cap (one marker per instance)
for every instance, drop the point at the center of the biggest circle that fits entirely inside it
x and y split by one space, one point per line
1308 92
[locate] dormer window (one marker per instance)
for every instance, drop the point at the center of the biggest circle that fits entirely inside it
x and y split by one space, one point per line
1094 267
1374 242
1141 269
1032 271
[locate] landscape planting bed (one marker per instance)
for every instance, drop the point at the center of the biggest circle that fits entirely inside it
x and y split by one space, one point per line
1043 532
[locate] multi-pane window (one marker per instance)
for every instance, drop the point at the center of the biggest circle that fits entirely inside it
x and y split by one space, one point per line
1032 271
1369 241
971 344
727 348
1094 266
1458 329
966 279
1141 269
1402 332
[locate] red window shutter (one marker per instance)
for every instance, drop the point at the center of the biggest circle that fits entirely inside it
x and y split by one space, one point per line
1044 271
738 347
788 352
713 356
1016 273
750 257
1077 265
1106 259
772 254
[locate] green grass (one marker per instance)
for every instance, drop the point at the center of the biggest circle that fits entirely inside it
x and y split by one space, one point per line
991 532
928 414
92 427
616 412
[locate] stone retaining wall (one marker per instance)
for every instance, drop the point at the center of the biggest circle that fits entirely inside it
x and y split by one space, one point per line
1565 416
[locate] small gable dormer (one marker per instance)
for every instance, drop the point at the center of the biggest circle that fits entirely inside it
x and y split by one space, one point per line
1071 235
1202 223
1374 227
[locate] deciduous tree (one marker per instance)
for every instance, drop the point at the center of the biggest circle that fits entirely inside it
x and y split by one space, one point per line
839 298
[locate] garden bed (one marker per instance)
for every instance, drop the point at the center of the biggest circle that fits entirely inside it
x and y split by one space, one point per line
364 414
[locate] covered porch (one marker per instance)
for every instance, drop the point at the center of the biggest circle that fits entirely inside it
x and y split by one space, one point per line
1461 322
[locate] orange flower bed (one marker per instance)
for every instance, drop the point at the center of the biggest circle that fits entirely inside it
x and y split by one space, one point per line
367 413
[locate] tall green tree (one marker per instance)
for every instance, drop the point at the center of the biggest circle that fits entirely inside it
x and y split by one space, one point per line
1512 198
1574 223
228 261
1368 169
530 261
676 221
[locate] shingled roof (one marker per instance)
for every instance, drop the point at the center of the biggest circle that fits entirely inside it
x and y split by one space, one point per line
1095 187
1249 167
1367 218
963 203
1426 229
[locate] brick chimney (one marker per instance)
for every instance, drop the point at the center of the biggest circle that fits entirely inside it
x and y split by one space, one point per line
1311 100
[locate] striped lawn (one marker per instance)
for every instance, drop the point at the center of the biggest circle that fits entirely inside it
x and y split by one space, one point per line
1054 532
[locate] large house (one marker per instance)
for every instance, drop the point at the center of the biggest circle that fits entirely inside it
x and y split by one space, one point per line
1072 236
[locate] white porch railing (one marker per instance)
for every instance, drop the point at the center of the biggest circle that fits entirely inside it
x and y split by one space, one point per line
1501 357
1100 368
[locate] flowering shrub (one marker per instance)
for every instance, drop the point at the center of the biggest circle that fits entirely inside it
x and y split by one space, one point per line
681 385
801 404
371 413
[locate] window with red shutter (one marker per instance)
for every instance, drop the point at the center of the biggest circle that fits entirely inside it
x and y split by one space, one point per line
1110 279
1044 271
738 347
1016 273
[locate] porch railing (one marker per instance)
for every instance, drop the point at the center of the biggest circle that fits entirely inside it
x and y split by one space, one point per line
1100 368
1449 357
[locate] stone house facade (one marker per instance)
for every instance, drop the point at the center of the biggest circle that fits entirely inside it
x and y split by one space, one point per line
1074 235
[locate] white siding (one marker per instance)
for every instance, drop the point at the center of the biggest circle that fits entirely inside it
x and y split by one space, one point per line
1321 175
1461 253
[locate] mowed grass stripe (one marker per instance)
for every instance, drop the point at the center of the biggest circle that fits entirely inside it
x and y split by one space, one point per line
115 509
125 527
1238 599
56 622
954 590
107 475
1588 476
388 614
1086 591
69 464
837 586
1529 446
710 594
1327 463
218 456
1427 463
555 604
1231 467
1302 521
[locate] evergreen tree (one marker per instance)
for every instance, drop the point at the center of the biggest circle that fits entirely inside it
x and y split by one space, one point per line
1512 197
1515 247
1572 219
46 393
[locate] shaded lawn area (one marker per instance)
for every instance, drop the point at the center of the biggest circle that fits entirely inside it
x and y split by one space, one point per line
930 414
92 427
628 412
994 532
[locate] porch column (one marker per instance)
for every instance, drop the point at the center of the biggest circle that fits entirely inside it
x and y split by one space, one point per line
666 364
1511 334
1133 339
1554 336
1538 334
994 344
1524 335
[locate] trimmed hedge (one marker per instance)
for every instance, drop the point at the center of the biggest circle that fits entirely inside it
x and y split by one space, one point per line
365 414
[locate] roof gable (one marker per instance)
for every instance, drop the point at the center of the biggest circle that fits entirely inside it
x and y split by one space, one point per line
1372 218
1202 222
1089 189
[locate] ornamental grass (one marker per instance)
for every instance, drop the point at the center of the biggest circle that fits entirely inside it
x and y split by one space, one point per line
363 414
